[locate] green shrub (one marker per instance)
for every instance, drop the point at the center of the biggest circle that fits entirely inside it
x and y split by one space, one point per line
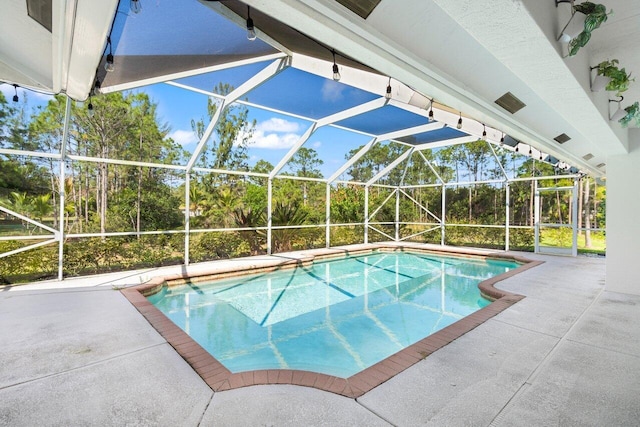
217 245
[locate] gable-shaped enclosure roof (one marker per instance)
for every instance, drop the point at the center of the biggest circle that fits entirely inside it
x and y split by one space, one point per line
183 41
283 70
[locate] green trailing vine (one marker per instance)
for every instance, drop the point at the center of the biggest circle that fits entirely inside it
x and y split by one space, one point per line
596 15
633 115
620 80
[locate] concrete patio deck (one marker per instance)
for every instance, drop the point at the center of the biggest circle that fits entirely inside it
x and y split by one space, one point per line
78 353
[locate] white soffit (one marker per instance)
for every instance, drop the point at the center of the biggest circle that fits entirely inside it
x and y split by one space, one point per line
25 47
392 41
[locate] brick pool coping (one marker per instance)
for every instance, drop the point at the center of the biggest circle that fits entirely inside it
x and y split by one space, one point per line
219 378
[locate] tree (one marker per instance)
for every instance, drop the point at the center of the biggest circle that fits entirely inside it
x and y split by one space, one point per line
227 148
305 163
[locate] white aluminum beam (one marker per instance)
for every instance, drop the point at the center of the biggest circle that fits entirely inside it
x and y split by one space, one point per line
431 167
354 111
61 184
411 131
265 74
29 220
352 160
390 167
293 150
27 248
447 142
189 73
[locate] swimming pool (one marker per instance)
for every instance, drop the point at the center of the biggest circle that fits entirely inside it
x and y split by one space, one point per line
336 317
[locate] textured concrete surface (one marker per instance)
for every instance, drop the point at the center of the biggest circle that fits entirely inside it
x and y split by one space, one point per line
464 383
568 354
291 405
148 387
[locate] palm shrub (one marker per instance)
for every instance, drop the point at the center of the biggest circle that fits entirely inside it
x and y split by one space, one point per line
286 214
250 219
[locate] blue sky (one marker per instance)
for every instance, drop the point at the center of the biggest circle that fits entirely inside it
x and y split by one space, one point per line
274 133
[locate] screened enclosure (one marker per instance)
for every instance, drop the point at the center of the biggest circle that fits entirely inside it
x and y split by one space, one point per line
193 150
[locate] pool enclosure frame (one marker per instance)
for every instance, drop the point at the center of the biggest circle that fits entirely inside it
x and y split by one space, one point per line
404 98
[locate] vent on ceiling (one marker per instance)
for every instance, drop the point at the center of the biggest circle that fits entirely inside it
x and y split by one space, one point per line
601 165
510 103
41 11
588 156
562 138
362 8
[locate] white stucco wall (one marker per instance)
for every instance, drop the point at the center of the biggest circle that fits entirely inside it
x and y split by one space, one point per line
623 219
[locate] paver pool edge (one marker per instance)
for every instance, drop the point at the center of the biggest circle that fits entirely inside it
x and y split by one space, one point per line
219 378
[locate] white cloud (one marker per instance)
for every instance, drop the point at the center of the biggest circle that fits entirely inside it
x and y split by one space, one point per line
183 137
275 124
332 91
316 144
273 141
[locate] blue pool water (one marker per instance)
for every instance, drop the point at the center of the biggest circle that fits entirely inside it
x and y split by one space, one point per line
336 317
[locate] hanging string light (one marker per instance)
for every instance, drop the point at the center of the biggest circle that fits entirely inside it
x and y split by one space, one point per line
502 140
459 125
431 111
484 132
135 6
15 97
108 65
251 31
336 72
388 92
90 111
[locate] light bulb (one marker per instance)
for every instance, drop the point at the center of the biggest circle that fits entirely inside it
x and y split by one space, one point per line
431 115
108 65
459 125
251 31
336 73
517 148
15 97
502 140
388 93
135 6
90 109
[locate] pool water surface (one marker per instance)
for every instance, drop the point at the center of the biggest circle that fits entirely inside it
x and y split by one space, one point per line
336 317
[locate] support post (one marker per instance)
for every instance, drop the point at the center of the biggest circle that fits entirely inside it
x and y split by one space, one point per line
574 219
397 215
506 219
187 216
269 210
536 217
328 217
366 214
61 198
443 213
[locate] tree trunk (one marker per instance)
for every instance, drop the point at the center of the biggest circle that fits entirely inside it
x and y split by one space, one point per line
580 202
104 182
587 216
470 210
531 201
559 205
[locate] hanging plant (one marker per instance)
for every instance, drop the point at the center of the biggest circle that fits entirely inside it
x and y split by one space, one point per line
619 80
596 15
633 115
